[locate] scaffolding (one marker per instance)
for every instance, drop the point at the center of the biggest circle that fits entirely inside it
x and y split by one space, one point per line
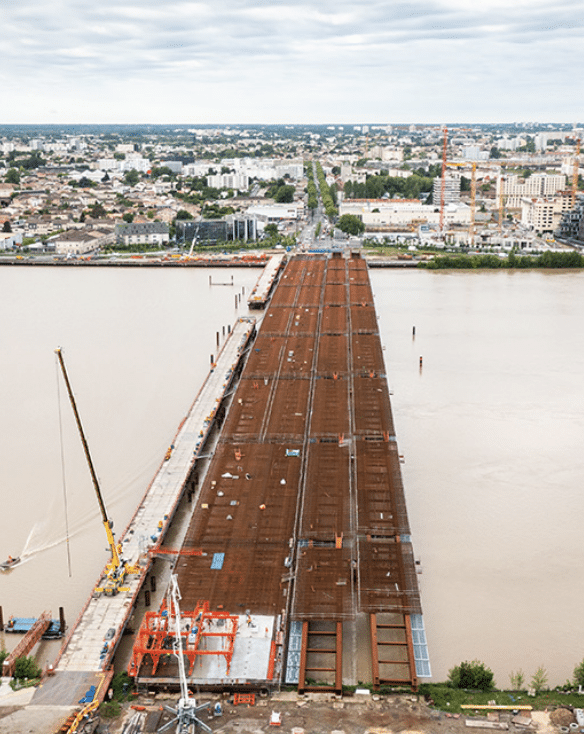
203 632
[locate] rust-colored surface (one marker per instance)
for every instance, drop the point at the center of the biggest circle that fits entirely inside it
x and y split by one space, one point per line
334 320
380 498
363 319
329 407
373 418
332 355
326 511
367 355
324 582
304 493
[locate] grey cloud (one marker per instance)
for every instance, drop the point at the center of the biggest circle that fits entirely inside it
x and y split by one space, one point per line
154 42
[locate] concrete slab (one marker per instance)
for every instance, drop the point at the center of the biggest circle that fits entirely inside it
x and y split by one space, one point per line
66 688
37 719
8 697
251 654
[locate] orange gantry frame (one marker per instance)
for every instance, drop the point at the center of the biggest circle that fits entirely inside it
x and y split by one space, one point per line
156 637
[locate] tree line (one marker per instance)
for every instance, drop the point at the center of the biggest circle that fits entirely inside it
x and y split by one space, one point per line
378 185
325 192
513 261
311 188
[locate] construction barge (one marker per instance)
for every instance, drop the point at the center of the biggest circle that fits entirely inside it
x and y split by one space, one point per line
297 566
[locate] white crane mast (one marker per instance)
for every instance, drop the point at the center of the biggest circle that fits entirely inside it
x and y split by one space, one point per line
186 711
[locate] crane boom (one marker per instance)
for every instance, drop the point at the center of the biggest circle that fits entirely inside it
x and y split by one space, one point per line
115 563
186 712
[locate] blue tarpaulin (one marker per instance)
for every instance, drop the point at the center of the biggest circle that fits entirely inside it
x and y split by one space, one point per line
217 563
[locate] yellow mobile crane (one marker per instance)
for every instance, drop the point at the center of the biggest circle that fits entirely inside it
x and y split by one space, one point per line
117 568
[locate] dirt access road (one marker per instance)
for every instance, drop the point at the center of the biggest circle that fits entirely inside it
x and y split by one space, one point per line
323 714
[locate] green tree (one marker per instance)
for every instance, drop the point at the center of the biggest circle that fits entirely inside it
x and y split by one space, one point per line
34 160
131 177
158 171
517 680
183 214
110 709
26 668
539 680
579 674
12 177
128 217
284 195
529 146
495 152
351 224
333 193
271 229
7 227
474 675
97 211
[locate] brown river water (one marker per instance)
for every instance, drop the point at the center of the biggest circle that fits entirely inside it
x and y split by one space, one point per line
491 429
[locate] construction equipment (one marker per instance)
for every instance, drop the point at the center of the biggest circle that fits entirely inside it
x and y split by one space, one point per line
501 196
117 568
185 713
205 634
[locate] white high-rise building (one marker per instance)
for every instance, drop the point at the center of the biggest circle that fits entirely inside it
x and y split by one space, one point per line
451 190
544 215
513 188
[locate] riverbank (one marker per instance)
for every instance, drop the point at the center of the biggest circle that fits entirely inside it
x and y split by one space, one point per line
315 713
137 261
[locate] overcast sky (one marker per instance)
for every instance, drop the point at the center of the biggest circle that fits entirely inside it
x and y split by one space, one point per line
247 61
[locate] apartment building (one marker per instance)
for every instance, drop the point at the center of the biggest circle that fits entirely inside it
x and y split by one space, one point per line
239 181
544 215
514 189
142 233
79 242
451 190
572 223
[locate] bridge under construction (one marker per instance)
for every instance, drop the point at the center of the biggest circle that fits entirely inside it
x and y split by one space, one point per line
297 567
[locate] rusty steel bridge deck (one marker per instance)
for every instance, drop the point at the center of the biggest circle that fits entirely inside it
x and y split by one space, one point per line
304 495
